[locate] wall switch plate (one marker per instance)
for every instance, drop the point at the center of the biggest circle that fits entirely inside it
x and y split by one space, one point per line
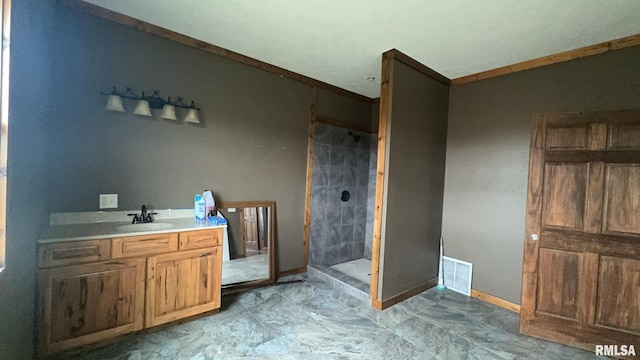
231 209
108 201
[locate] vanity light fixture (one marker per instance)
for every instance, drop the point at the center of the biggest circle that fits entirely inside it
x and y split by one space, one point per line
144 105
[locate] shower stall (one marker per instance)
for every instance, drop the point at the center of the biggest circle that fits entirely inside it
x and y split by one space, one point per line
342 206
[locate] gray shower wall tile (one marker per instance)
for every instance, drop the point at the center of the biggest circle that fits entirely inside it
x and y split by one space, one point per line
349 177
321 154
337 155
346 234
333 199
319 198
348 214
360 213
333 235
359 231
334 216
362 176
362 195
319 236
336 176
318 218
358 249
350 158
363 158
320 175
322 133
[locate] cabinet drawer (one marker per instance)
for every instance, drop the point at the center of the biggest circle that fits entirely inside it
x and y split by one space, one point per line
73 252
200 239
144 245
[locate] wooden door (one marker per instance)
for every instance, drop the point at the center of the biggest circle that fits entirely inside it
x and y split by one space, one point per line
85 303
250 229
581 274
183 284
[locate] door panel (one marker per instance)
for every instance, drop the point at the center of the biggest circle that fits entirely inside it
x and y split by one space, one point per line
567 137
565 191
619 293
182 284
558 279
622 196
581 270
624 137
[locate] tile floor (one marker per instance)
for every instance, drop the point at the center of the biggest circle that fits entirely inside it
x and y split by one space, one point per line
311 320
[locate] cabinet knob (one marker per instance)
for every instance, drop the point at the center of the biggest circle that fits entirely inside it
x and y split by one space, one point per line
534 237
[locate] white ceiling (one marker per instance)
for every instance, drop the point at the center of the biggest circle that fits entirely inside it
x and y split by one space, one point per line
341 41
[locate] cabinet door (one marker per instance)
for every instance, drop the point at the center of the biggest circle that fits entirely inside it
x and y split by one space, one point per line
86 303
183 284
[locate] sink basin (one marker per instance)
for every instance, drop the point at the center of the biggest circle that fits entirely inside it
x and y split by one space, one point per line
144 227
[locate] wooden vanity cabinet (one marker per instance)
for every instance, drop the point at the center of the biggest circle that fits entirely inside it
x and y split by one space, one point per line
82 304
182 284
84 298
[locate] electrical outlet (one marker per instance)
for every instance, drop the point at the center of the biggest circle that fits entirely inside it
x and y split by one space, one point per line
108 201
231 209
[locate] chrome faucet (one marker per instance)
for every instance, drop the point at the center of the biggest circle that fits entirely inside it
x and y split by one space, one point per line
144 216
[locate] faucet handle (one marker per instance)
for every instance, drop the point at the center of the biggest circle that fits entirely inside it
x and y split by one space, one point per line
135 218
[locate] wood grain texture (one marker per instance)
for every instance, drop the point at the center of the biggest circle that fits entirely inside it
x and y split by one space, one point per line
621 43
558 273
565 191
204 46
624 137
594 199
313 113
587 156
495 300
143 245
345 124
587 280
622 198
604 244
567 137
533 221
416 65
379 202
86 303
189 240
73 252
182 284
619 294
598 136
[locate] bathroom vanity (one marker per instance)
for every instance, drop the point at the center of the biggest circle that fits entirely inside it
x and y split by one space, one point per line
100 280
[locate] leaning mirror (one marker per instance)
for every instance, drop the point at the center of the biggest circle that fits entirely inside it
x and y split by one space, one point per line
249 258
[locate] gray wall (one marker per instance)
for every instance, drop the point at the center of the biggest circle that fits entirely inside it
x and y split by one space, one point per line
336 106
252 144
488 151
28 193
416 132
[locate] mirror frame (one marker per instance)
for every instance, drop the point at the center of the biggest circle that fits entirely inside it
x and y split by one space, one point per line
271 211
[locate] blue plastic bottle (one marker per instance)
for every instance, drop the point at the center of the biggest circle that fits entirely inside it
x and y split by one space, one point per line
199 207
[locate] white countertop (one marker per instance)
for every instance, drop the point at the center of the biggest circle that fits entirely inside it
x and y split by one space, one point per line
76 230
